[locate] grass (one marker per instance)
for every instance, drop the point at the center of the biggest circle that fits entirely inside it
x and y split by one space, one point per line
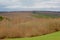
28 27
1 18
52 36
45 15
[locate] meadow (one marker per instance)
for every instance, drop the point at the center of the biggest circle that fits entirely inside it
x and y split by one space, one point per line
52 36
28 26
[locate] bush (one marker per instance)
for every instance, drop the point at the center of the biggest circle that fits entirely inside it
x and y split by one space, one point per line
1 18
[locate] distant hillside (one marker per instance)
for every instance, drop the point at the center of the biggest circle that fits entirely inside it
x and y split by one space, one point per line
30 13
58 12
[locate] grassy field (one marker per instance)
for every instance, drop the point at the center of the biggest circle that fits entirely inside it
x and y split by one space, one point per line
21 25
52 36
40 15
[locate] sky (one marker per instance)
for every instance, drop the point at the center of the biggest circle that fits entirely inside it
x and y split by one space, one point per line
28 5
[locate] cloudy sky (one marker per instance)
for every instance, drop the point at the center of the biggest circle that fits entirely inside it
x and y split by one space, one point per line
19 5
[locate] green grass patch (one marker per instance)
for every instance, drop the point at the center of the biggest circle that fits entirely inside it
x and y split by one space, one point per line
52 36
40 15
1 18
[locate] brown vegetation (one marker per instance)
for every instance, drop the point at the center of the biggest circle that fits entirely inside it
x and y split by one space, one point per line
23 25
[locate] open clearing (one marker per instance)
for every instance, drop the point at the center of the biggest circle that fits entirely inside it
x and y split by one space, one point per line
52 36
20 25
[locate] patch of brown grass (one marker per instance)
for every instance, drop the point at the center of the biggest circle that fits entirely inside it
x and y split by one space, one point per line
28 27
35 27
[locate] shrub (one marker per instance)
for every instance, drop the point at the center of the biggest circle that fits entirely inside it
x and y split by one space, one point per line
1 18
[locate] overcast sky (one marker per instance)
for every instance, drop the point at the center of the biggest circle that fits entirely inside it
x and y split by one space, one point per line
18 5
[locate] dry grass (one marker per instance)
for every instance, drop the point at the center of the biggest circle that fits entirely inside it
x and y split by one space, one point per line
28 27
